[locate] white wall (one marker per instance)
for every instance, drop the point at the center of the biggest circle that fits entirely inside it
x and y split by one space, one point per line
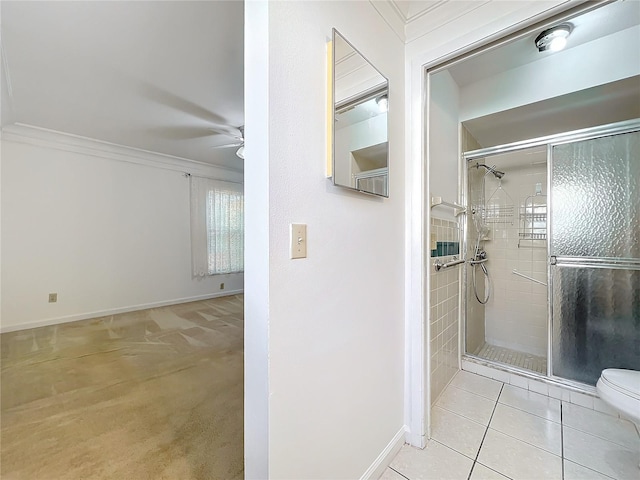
106 235
335 319
444 149
611 58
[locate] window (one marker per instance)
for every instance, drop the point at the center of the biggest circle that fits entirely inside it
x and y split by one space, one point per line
217 227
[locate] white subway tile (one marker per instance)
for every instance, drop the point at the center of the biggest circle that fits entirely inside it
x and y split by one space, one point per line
469 366
518 381
556 392
539 387
582 399
484 371
500 375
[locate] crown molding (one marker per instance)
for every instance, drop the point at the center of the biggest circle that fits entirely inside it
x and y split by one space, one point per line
43 137
428 15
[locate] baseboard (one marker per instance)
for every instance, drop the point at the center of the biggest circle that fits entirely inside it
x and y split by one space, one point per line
114 311
378 467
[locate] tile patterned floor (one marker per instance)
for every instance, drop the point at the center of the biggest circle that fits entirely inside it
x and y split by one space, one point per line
483 429
512 357
153 394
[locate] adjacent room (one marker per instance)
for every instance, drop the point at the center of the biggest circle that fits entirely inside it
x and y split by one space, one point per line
122 240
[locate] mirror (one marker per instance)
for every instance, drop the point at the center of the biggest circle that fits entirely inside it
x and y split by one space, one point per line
360 134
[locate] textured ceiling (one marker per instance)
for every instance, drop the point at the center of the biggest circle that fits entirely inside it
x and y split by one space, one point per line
159 76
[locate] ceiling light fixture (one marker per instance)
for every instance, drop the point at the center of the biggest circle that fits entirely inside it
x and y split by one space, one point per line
383 103
554 39
240 152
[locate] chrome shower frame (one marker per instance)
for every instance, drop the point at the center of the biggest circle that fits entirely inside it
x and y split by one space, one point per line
549 141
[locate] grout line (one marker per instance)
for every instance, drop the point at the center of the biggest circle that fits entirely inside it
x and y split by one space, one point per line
495 405
561 441
399 473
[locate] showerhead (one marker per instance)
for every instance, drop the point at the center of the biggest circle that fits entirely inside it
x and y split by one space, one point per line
496 173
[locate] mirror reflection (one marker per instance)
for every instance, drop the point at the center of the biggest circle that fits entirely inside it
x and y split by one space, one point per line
360 133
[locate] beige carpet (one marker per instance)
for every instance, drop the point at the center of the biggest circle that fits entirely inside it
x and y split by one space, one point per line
154 394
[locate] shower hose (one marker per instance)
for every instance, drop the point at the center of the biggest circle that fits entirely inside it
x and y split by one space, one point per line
487 282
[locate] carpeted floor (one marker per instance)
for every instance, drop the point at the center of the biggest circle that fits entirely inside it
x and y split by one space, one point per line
153 394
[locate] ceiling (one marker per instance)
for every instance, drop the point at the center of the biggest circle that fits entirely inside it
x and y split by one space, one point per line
587 27
165 77
599 105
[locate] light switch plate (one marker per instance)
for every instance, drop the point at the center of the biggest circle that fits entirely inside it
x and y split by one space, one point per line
298 240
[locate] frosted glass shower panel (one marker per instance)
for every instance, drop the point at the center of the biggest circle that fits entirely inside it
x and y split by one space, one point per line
596 197
596 321
595 256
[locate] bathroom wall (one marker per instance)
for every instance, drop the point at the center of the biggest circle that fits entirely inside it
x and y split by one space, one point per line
516 313
443 323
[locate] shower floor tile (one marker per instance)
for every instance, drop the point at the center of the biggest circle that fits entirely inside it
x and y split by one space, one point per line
512 357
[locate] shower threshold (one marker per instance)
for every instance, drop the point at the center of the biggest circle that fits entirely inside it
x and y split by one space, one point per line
515 358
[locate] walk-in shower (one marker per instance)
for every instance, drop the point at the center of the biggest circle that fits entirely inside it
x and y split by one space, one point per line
479 215
553 253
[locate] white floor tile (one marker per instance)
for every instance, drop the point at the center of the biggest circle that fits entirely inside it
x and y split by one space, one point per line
434 462
531 402
517 459
600 455
480 472
529 428
601 425
485 387
573 471
456 432
467 404
390 474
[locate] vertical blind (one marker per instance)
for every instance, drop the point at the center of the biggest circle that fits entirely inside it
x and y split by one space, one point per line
217 227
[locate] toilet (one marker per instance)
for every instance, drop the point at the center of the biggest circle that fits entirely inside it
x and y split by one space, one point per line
620 389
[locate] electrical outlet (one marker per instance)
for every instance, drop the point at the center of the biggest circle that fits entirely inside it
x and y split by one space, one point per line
222 286
53 297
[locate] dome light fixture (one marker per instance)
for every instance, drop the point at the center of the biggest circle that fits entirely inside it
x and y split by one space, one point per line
554 39
383 103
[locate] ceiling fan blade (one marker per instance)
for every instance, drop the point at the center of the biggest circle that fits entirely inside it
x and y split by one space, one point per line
228 145
227 130
183 132
169 99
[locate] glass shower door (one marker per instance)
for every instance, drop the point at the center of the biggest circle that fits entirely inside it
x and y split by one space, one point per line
595 256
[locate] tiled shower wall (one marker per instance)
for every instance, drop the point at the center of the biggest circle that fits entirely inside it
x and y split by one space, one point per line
444 314
516 314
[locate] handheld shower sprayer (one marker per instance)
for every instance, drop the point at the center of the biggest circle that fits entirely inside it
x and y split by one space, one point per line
497 173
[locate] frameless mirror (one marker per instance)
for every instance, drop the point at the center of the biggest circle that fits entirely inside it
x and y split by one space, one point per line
360 100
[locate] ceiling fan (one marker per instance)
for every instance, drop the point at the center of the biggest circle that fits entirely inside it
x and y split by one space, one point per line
237 134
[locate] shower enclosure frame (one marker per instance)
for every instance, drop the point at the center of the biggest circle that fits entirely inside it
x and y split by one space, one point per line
550 142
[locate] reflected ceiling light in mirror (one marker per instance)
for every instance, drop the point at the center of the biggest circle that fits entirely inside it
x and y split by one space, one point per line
553 39
383 103
240 152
